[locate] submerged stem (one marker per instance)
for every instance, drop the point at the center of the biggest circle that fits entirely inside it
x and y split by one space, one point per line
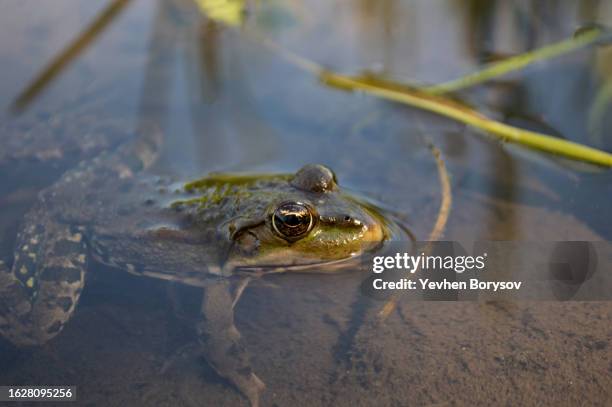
438 228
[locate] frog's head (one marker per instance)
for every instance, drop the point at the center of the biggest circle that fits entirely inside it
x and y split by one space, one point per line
305 220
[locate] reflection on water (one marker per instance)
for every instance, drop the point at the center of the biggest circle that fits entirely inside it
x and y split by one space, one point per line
227 102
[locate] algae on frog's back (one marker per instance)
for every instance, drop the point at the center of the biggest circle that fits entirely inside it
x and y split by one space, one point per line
214 188
216 179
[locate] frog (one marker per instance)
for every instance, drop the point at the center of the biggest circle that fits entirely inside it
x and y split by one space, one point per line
216 233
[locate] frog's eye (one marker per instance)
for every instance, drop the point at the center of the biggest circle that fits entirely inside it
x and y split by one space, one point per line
292 220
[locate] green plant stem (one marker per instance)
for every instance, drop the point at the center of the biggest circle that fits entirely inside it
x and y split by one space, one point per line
456 111
515 63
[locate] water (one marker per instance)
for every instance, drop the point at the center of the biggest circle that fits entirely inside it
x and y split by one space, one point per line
227 102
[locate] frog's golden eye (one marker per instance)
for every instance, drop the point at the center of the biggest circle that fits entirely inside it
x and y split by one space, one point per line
292 220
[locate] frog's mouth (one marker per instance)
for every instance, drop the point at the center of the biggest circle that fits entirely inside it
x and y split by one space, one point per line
321 267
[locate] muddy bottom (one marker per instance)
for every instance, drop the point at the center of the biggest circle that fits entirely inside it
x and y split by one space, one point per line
316 349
